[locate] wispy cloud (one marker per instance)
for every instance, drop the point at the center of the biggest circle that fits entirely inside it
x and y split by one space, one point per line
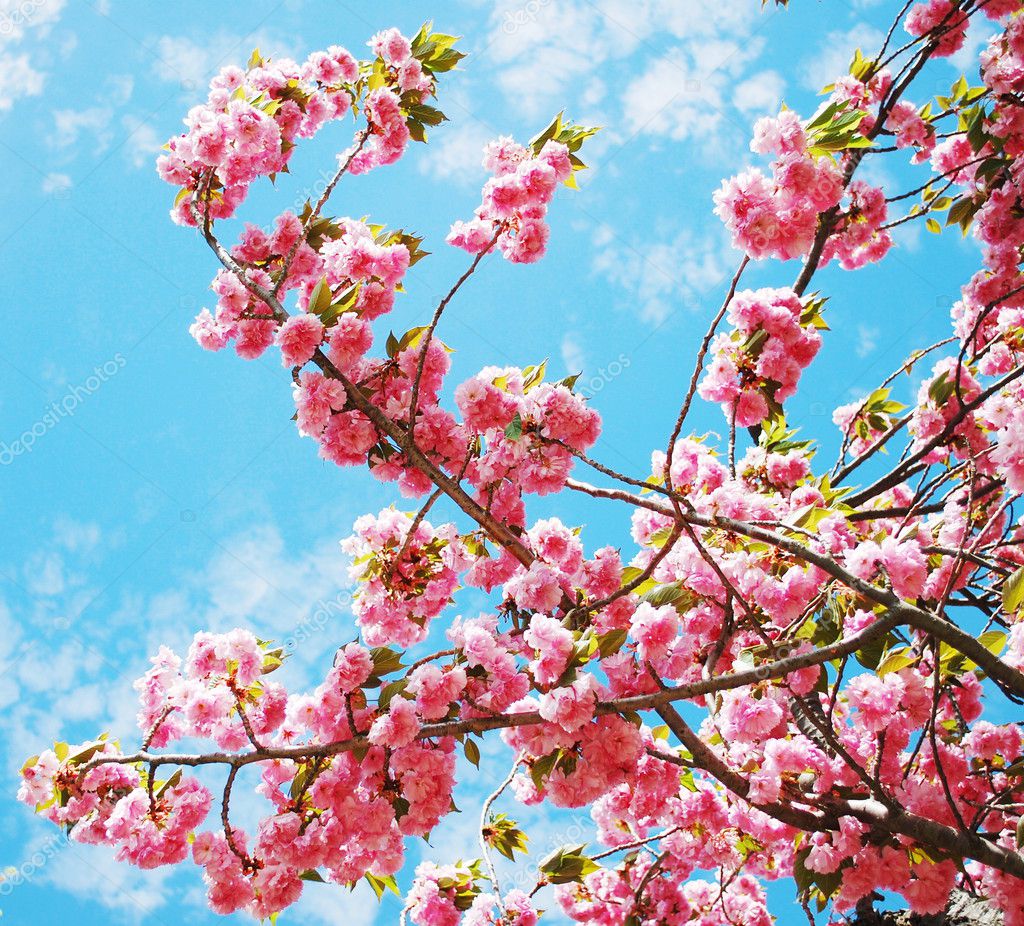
656 279
19 75
189 63
831 56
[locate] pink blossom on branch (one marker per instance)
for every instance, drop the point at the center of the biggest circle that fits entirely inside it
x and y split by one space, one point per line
776 659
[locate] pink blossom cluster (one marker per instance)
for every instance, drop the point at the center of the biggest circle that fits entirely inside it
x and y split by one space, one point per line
610 897
529 428
355 265
248 128
217 692
862 93
777 216
347 816
761 360
986 319
940 401
515 200
114 804
859 237
1003 417
593 758
449 895
253 118
407 574
1002 63
944 21
911 130
860 427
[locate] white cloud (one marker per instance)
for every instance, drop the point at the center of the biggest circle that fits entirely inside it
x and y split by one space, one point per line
456 152
120 88
573 358
683 95
545 48
760 94
91 873
833 54
867 340
18 17
142 143
72 124
660 278
56 183
18 79
44 574
334 905
74 535
190 64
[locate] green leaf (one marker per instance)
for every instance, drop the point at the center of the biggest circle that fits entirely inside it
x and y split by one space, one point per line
541 767
320 299
385 660
534 376
312 874
1013 592
504 834
611 642
379 885
472 752
871 655
514 429
390 691
993 641
167 785
630 574
567 864
428 115
668 593
895 660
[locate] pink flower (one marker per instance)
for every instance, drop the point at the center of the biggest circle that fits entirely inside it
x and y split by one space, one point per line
571 707
398 727
877 699
392 46
553 644
654 629
948 22
536 588
298 338
435 689
352 666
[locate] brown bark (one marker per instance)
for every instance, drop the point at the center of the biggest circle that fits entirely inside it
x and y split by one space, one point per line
963 910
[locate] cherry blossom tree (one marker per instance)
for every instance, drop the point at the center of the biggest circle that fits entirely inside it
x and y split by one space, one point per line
791 672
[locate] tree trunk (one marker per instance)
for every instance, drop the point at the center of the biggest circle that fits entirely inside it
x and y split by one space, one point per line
963 910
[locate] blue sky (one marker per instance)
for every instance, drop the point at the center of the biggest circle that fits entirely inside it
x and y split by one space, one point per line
175 494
